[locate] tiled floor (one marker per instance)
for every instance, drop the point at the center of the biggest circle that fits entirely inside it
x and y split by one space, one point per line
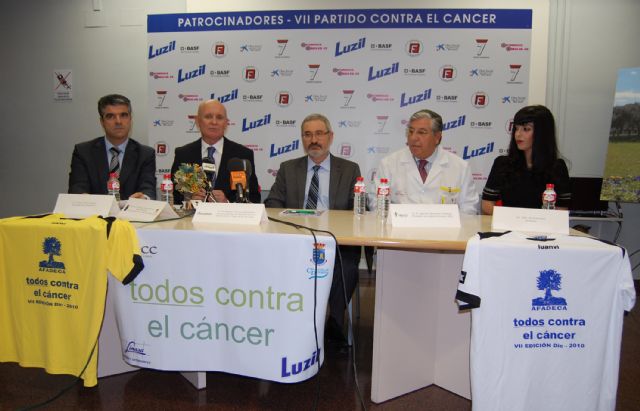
334 390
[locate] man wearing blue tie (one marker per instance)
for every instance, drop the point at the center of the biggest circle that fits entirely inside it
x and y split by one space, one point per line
93 160
213 145
322 181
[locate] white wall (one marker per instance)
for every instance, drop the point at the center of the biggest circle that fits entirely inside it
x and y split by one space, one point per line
37 134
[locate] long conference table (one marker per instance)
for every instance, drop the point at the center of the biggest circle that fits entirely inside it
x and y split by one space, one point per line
419 336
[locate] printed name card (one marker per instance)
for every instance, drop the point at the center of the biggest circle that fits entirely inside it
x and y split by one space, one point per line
424 215
530 220
146 211
86 205
230 213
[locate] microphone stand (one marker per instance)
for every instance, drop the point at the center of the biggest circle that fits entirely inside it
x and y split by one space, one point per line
208 193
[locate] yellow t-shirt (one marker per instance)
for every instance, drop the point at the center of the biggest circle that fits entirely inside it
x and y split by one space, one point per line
53 283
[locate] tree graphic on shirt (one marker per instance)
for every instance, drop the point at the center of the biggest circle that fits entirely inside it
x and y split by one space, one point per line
53 247
549 280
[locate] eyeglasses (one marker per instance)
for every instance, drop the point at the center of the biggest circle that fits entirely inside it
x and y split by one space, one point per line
421 132
317 134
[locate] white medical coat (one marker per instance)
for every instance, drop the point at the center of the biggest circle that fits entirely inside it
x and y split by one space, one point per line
449 180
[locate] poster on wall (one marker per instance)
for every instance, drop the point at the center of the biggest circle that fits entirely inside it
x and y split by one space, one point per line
366 70
62 81
621 179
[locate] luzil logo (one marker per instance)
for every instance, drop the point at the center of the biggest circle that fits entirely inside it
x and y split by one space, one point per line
383 72
227 97
162 50
191 74
549 280
284 149
248 125
350 47
424 96
52 246
477 152
455 123
297 368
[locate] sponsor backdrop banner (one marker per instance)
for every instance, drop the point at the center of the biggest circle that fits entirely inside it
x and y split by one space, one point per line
195 309
366 70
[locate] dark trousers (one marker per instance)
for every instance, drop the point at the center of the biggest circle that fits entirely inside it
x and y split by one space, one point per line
350 262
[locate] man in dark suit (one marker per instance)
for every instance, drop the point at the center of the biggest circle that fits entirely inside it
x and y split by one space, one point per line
93 160
295 188
212 121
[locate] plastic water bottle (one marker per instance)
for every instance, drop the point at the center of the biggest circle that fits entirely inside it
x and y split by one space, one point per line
113 186
382 199
359 197
166 189
549 198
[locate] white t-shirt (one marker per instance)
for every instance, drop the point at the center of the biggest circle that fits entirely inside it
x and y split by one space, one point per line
547 321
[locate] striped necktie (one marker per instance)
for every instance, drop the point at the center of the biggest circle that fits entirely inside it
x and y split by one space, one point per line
114 164
211 150
312 197
422 168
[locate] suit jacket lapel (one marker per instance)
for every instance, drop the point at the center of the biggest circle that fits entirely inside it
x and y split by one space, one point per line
334 181
129 161
300 182
101 160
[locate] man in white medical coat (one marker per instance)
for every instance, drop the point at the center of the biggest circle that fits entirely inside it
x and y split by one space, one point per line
424 173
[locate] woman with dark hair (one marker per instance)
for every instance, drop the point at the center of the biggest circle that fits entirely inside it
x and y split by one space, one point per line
519 178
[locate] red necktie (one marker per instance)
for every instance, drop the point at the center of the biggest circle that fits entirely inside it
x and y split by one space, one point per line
422 168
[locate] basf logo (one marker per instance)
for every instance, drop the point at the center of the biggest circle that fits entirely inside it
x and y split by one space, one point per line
252 98
189 49
480 99
219 49
285 123
482 125
415 71
413 48
381 47
220 73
